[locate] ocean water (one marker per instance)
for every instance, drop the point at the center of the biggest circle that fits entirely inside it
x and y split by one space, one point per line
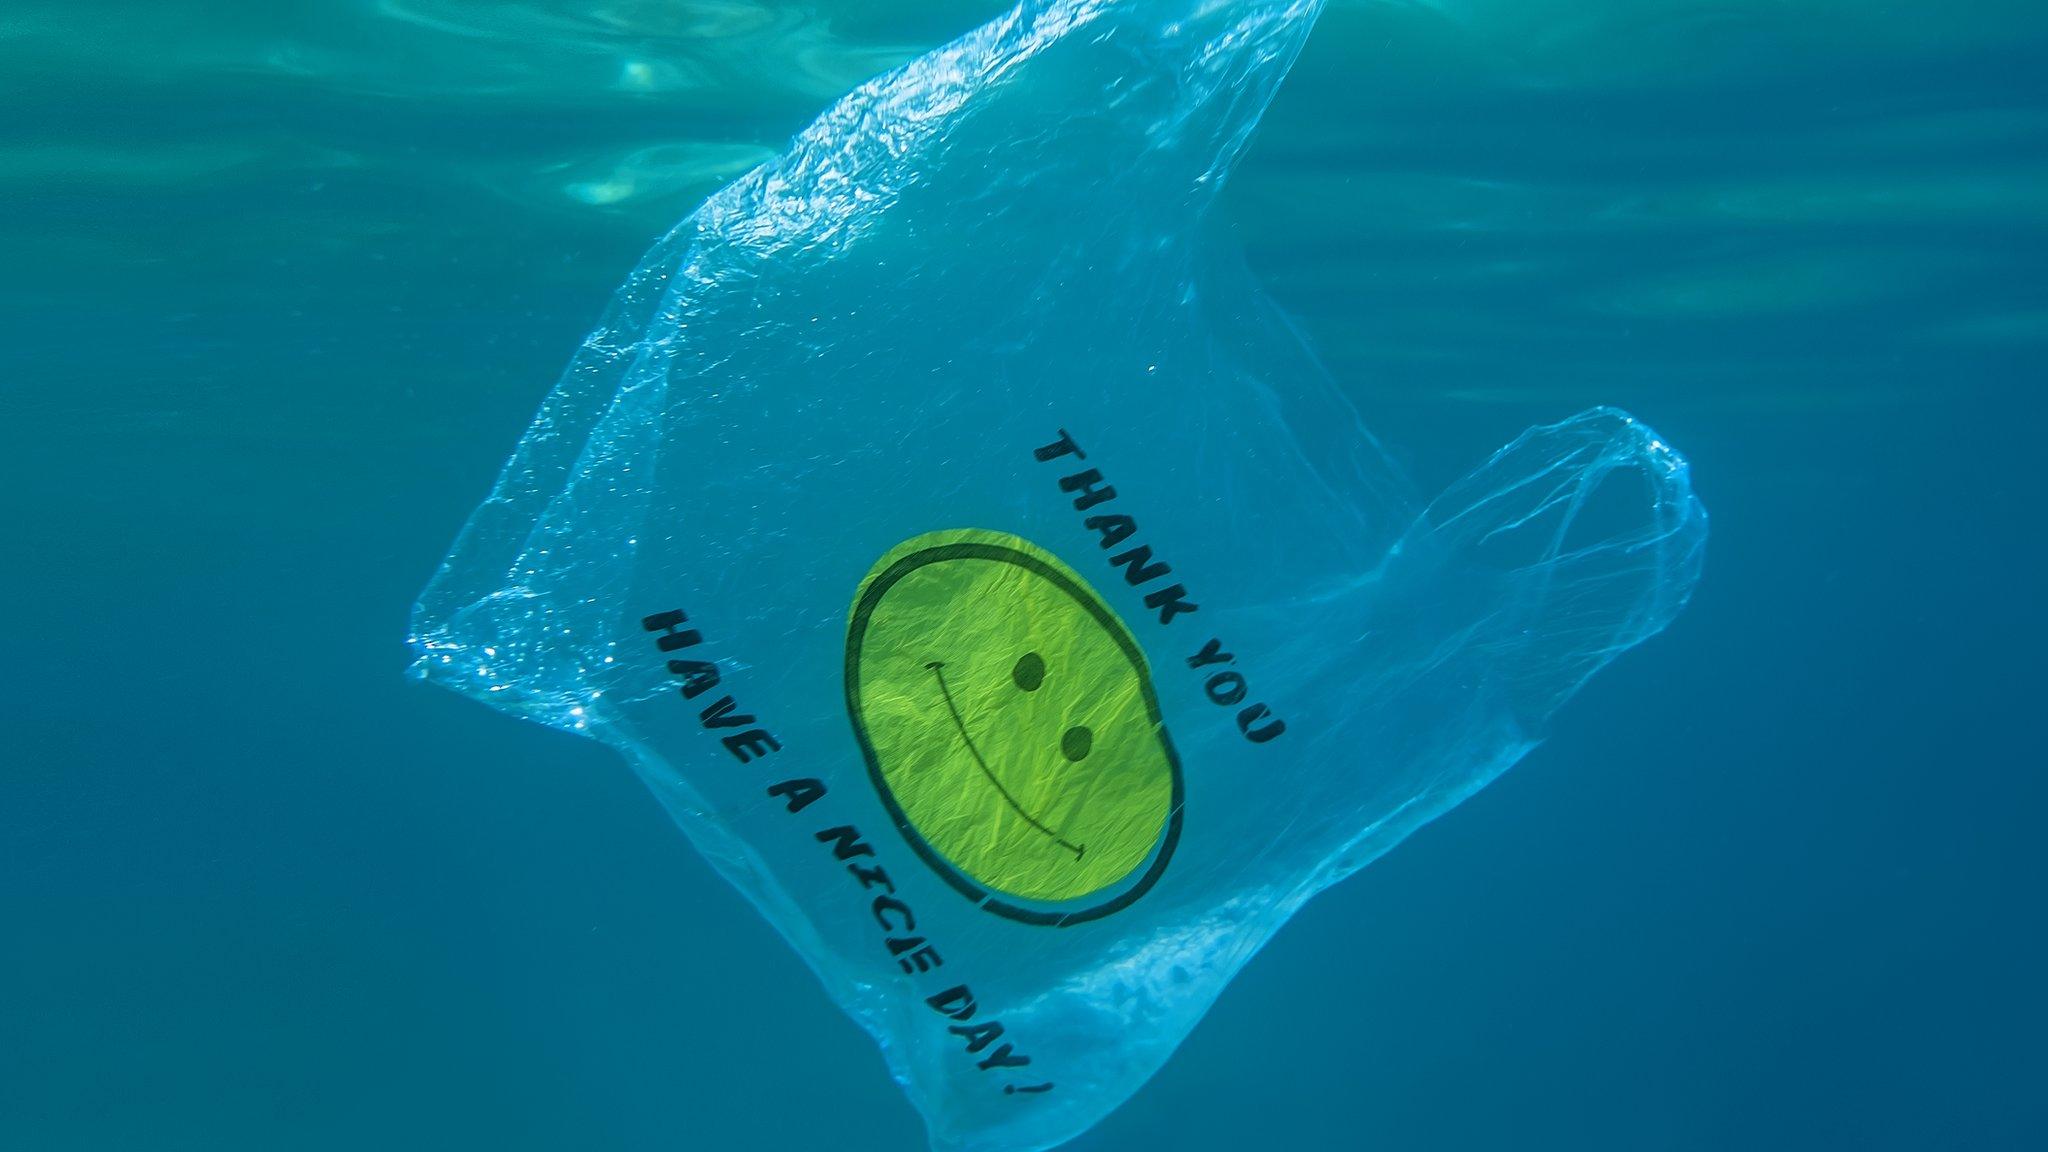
281 284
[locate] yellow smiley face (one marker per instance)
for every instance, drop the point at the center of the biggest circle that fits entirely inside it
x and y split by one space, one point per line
1009 723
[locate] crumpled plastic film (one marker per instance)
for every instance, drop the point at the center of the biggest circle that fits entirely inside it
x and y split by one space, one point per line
993 587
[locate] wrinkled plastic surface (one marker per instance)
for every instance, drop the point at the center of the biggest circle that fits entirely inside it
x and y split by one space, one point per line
970 318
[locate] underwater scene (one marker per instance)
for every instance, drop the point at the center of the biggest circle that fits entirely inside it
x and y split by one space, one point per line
1089 574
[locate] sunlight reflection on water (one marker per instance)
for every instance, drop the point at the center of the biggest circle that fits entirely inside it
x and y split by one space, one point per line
1519 191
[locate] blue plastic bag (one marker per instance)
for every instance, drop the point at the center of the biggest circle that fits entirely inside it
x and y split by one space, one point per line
994 588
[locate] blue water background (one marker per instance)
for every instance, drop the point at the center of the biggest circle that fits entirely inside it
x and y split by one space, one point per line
282 283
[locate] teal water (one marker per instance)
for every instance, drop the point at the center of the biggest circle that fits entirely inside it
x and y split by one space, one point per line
285 282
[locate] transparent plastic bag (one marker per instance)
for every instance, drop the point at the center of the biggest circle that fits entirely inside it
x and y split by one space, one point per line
997 592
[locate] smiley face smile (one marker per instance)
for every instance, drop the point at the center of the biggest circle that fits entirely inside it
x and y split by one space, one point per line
939 670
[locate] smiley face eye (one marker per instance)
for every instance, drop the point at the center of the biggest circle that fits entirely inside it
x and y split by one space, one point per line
1029 672
1076 741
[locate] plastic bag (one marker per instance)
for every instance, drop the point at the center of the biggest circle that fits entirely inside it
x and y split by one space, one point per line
993 587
